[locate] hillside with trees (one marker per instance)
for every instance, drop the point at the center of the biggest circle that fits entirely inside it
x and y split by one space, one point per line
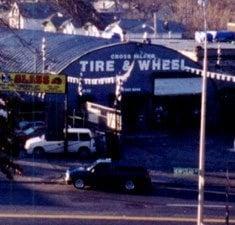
187 12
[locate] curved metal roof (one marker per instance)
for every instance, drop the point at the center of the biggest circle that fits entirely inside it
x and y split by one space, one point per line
22 52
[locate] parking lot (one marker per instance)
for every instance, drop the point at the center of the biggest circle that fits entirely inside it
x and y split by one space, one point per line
171 159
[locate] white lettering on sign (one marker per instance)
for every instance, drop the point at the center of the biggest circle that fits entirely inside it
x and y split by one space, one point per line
175 64
110 66
132 89
144 64
97 66
144 56
156 64
185 171
182 64
126 65
152 64
120 56
83 65
166 64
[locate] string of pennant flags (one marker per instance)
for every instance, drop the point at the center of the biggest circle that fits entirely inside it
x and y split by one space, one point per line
117 79
102 80
121 78
212 75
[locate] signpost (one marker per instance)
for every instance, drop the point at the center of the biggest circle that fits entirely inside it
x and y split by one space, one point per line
185 171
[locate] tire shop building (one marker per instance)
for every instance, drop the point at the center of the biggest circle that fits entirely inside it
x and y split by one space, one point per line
157 90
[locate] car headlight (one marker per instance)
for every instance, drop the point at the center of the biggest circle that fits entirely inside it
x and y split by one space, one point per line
67 176
27 145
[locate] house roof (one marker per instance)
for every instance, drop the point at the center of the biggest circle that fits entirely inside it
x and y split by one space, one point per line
136 26
58 20
23 48
173 26
61 49
36 10
130 24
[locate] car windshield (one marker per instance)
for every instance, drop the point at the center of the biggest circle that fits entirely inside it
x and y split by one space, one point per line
89 168
29 131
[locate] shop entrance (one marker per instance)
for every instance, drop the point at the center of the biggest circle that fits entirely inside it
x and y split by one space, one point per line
136 111
227 109
176 112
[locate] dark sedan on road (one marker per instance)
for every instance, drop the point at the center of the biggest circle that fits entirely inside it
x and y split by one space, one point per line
107 174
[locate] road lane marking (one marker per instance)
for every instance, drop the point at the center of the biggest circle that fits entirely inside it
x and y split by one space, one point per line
110 217
196 190
194 206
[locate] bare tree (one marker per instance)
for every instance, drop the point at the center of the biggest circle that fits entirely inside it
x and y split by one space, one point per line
82 11
189 13
144 9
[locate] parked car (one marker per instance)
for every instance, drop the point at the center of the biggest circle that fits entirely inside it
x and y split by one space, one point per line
28 133
80 140
105 173
24 125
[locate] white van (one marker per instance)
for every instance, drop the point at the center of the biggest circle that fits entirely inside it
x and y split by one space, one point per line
80 140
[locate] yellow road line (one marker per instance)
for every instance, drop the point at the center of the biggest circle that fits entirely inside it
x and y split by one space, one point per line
110 217
195 206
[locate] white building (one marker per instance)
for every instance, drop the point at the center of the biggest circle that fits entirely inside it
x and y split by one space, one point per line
30 15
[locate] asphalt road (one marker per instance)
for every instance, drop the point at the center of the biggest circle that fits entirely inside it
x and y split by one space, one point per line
32 204
95 220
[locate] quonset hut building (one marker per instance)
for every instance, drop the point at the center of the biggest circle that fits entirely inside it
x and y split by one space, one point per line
157 93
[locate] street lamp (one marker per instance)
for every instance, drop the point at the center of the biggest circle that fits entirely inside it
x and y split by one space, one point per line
201 171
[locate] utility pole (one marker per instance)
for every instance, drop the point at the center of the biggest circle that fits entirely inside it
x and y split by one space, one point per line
65 128
227 195
201 171
155 24
117 102
43 54
218 62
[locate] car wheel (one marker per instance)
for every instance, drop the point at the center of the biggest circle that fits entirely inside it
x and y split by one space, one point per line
79 184
129 185
84 153
38 151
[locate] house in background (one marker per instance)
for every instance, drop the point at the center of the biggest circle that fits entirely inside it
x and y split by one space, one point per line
30 15
59 23
89 30
110 6
45 16
66 25
113 30
138 28
231 26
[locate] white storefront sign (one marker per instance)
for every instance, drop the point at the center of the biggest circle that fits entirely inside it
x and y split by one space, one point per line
155 64
177 86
